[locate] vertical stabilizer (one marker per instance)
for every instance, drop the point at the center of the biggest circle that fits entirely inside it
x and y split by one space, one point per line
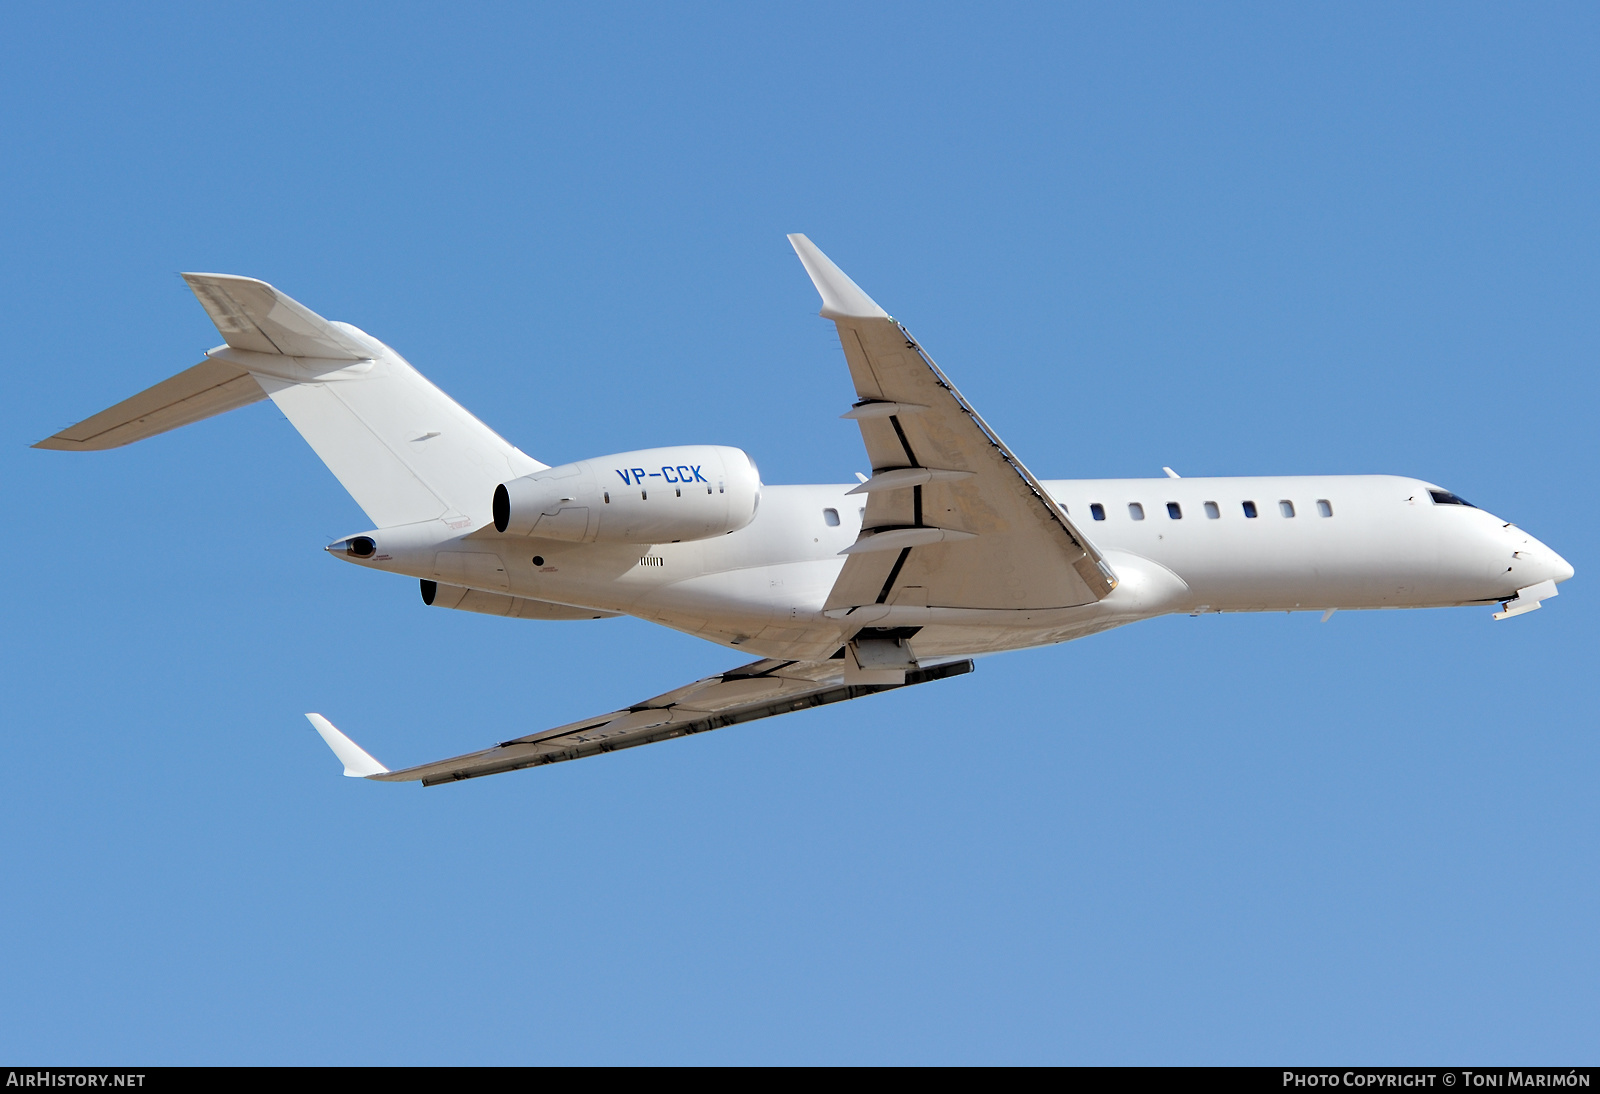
404 450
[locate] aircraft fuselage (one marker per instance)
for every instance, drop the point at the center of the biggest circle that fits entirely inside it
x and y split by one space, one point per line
1177 545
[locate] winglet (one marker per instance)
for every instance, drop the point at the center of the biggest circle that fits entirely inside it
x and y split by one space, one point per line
841 297
357 764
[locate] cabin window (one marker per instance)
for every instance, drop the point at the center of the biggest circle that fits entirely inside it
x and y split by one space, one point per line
1174 510
1097 511
1286 507
1212 512
608 497
678 490
1250 509
1135 510
644 495
1325 507
830 517
1445 497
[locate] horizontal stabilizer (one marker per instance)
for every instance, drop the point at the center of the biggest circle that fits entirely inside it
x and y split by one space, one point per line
357 763
252 315
208 389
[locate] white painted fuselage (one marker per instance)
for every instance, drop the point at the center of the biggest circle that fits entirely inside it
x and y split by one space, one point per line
1176 545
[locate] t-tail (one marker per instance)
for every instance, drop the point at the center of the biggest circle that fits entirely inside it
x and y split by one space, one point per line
405 450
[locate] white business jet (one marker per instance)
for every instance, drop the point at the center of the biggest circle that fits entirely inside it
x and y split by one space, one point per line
952 548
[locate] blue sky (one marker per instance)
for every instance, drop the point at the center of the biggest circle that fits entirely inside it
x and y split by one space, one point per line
1241 239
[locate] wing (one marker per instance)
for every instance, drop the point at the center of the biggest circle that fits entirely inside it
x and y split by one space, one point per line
953 519
758 690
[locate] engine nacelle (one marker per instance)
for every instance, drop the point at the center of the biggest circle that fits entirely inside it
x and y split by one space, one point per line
657 495
516 607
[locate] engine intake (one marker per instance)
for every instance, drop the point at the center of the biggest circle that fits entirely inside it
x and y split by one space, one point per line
656 495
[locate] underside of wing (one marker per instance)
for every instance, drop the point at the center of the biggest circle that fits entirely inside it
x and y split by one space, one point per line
952 518
758 690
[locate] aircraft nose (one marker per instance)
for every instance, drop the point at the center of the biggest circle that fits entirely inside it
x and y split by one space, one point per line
1561 569
1536 562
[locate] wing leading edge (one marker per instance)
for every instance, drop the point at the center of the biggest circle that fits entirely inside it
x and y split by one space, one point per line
762 689
953 518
